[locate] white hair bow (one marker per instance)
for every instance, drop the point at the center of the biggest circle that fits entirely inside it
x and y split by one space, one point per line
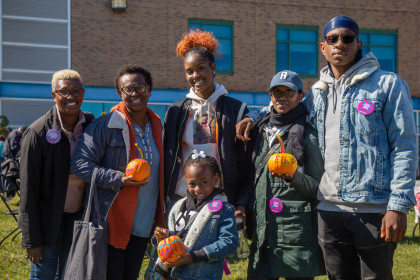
195 154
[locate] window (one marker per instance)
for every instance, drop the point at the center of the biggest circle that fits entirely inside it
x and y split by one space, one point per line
297 49
383 44
35 39
223 31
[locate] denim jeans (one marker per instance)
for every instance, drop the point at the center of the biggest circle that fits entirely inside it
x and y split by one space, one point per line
352 246
54 258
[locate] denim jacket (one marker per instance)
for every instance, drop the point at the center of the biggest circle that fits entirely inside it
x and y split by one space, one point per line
378 151
106 145
216 233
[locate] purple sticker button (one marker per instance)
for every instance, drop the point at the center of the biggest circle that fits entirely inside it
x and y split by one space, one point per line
215 205
365 107
276 205
53 136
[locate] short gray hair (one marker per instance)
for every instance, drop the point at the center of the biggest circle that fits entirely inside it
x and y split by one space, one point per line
66 74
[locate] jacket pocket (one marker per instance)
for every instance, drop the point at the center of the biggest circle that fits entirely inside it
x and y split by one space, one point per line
367 124
295 223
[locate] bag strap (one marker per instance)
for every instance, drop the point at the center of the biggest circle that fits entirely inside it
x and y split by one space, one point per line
92 195
264 161
241 112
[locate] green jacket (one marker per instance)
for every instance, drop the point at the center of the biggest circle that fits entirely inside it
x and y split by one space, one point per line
285 244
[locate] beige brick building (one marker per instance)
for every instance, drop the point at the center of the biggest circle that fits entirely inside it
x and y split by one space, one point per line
147 33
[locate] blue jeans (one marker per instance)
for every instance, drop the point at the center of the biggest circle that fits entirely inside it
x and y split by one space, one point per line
54 258
352 246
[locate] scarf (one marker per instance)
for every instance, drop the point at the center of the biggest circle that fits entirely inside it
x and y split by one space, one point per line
295 135
121 215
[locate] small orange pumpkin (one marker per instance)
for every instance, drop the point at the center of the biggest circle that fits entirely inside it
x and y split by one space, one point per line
139 168
170 248
282 163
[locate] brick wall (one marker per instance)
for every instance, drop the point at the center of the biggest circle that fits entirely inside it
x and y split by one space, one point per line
148 31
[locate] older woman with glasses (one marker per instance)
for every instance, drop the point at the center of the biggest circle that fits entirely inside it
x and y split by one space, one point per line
51 196
285 237
132 208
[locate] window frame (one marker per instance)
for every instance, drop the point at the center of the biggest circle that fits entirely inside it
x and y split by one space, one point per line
369 32
28 45
289 28
221 23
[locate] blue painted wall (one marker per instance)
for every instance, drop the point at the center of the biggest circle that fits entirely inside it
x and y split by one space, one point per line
101 99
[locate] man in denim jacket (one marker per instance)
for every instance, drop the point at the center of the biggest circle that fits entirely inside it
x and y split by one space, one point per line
367 137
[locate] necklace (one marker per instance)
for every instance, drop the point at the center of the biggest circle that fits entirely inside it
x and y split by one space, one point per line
146 143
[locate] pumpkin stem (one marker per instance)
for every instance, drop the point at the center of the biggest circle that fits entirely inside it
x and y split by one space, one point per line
140 150
281 143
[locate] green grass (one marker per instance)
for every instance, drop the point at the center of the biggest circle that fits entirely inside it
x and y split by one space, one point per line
13 265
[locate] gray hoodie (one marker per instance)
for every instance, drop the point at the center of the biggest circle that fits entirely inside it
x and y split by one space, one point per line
328 187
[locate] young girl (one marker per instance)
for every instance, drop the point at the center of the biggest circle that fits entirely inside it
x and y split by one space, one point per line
203 220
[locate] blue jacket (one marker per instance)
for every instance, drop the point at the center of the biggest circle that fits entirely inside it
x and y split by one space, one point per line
106 145
378 152
216 233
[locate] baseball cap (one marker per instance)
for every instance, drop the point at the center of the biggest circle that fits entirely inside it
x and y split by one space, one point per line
287 78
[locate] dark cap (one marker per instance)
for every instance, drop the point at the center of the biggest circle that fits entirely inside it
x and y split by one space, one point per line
288 79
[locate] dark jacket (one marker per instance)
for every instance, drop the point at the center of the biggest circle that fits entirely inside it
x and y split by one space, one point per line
233 159
44 175
285 244
12 144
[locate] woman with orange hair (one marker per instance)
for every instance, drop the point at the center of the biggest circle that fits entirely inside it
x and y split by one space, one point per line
205 120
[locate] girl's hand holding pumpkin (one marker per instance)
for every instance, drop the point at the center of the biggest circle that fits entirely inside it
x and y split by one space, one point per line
127 181
161 233
183 260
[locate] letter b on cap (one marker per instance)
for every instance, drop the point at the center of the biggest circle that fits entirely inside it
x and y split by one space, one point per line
283 75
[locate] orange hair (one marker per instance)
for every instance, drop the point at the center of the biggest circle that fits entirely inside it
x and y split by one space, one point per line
196 38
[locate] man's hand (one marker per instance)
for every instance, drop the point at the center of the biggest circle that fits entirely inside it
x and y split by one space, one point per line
394 225
243 128
183 259
127 181
34 254
240 213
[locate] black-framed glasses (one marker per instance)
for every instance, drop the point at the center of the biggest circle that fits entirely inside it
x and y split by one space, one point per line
279 94
333 39
65 92
140 88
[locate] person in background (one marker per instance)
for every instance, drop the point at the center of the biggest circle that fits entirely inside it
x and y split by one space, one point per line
131 208
295 253
205 121
2 140
51 196
367 137
12 144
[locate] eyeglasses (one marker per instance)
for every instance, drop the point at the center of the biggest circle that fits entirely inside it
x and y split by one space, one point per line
333 39
65 93
279 94
141 88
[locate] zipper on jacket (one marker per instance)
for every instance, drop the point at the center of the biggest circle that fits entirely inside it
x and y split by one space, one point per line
168 199
217 149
